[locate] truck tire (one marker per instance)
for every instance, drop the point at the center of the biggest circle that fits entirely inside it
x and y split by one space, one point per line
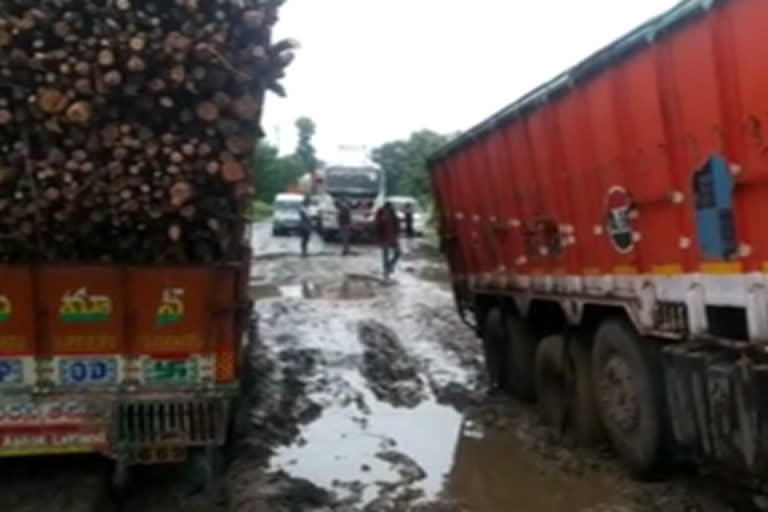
551 382
520 350
493 344
625 381
583 414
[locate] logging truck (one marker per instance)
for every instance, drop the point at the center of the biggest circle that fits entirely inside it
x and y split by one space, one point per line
126 129
606 240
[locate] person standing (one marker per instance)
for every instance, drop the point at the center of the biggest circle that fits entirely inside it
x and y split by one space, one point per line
388 233
305 225
408 220
344 218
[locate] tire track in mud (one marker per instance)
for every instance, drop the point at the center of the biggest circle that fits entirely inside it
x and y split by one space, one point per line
358 342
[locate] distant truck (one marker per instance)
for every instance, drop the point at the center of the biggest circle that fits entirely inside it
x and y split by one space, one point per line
362 188
606 239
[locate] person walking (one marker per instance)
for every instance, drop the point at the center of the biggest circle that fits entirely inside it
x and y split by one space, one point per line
344 218
388 233
305 225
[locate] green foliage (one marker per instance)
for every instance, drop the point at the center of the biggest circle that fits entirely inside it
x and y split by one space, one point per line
305 151
261 210
272 174
405 163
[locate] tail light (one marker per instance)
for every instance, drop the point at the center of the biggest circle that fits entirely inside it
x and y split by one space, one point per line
225 363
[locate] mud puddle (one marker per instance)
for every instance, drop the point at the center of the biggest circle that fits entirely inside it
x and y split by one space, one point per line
381 451
350 288
496 469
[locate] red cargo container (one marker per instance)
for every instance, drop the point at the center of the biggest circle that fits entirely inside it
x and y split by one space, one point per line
135 362
614 215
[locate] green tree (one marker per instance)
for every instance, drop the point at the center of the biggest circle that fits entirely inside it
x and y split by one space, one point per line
305 151
405 162
272 174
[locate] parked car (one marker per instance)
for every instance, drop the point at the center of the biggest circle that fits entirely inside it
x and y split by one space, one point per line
286 218
400 203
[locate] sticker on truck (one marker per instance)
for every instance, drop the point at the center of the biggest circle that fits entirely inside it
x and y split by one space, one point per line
11 371
85 371
19 443
28 413
6 308
81 307
171 371
618 224
171 309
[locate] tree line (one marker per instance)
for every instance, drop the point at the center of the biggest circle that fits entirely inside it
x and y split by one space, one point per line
404 163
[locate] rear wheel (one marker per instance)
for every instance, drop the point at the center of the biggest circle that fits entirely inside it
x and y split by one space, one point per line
584 416
493 344
520 351
625 383
551 382
566 400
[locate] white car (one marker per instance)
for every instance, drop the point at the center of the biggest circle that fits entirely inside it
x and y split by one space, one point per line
401 203
286 218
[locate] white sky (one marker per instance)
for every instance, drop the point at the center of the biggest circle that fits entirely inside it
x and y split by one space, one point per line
371 71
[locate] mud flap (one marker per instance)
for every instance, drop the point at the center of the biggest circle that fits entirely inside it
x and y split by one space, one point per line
716 409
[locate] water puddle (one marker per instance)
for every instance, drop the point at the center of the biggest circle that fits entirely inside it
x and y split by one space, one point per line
378 448
350 288
496 470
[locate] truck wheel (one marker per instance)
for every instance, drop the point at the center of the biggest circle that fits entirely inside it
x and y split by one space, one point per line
624 381
201 466
493 344
121 482
551 383
583 413
520 351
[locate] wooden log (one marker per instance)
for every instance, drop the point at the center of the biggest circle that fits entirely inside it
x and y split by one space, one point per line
207 111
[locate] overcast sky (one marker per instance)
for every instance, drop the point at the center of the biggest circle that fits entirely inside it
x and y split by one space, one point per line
370 71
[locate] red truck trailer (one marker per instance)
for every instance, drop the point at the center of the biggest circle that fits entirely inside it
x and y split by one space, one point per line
605 238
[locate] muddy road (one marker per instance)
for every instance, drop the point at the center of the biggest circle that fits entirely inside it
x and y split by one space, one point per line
365 396
382 403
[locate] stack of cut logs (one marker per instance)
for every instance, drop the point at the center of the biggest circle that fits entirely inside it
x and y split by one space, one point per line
127 126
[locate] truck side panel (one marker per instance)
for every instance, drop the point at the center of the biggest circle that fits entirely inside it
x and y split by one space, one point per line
666 149
18 326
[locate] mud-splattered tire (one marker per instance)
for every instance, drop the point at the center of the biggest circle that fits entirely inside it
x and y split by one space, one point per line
625 380
584 417
551 384
520 352
493 343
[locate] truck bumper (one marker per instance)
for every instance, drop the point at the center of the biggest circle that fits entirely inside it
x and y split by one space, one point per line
136 428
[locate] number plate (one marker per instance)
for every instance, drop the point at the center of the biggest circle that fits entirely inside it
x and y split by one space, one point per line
11 372
88 371
170 371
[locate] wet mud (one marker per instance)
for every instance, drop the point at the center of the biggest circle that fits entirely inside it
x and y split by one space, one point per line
366 396
392 413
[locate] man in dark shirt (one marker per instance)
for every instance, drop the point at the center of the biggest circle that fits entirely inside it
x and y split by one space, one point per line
305 225
388 233
344 218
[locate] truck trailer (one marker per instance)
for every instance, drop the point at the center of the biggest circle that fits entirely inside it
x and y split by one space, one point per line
605 238
126 133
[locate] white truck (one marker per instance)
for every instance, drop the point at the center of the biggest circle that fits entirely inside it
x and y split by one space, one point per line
361 187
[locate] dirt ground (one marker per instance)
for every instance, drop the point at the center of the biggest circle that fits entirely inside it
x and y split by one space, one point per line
383 406
365 396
